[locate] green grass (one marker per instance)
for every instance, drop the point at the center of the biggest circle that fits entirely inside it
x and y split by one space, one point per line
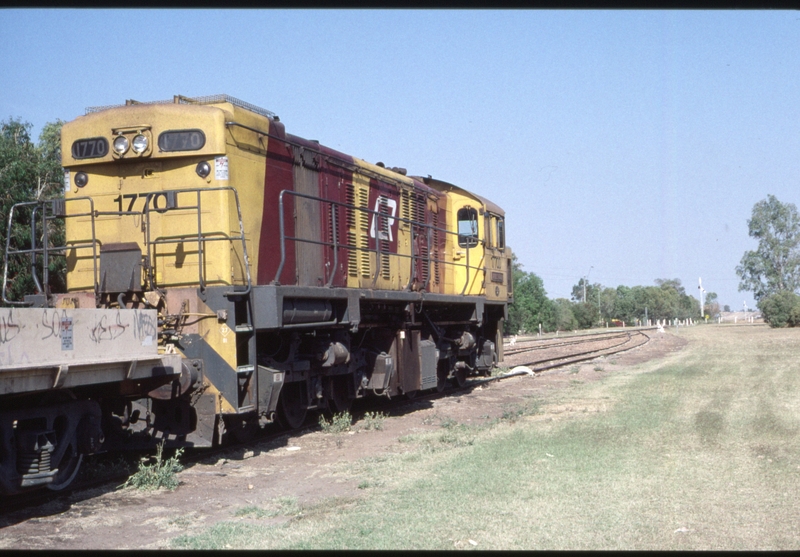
697 451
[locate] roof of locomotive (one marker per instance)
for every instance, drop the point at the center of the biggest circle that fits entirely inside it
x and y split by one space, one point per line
397 174
441 185
180 99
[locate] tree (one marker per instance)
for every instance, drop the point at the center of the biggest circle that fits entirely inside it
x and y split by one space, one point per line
781 309
585 314
711 307
29 172
608 302
592 291
563 318
531 305
775 265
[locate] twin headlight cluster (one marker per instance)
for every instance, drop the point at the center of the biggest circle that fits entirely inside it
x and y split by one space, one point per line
136 141
140 144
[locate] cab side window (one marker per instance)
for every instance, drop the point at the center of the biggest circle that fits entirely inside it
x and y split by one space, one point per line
467 227
501 233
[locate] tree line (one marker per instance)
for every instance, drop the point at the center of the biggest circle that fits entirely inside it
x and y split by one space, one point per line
599 305
771 272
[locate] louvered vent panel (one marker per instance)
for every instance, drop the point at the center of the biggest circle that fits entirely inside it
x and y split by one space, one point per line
435 247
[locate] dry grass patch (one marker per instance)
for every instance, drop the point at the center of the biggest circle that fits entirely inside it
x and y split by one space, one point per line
697 451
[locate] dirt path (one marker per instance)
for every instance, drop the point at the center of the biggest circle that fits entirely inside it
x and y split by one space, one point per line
296 466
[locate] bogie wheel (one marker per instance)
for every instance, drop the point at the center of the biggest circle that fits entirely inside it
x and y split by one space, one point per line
442 372
243 429
460 376
339 400
68 468
292 405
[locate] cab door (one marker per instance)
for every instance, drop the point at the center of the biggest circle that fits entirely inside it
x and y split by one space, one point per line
468 254
496 270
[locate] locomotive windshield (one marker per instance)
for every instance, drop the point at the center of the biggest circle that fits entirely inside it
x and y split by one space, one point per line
501 233
181 140
467 227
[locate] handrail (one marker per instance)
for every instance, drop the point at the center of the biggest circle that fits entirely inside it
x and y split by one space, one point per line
472 242
41 208
200 236
40 211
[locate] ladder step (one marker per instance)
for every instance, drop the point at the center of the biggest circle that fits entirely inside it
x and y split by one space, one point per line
243 370
247 408
244 328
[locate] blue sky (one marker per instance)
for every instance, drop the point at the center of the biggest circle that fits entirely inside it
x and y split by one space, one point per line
629 145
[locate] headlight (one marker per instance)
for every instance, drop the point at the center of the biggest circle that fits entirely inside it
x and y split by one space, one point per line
140 143
81 179
121 144
203 169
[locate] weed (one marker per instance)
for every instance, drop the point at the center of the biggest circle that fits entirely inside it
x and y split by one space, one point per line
499 370
181 521
458 436
285 506
97 468
161 473
448 423
512 415
373 420
598 368
574 369
339 423
253 512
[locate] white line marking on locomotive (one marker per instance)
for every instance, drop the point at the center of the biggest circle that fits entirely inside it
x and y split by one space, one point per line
392 204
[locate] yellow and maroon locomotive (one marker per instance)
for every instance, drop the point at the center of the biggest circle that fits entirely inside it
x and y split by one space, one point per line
273 276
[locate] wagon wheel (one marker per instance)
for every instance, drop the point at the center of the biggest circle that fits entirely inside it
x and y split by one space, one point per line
68 468
460 375
69 462
292 405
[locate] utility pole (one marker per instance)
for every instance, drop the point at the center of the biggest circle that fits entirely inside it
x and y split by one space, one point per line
585 280
702 291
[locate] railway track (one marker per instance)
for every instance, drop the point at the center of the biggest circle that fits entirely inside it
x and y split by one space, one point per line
552 353
549 354
543 344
